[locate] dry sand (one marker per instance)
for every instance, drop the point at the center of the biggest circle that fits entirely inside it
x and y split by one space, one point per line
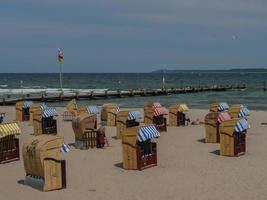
187 168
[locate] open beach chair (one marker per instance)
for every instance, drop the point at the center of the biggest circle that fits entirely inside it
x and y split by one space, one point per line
177 114
233 137
138 150
44 121
127 119
212 125
112 116
72 110
86 133
156 114
23 110
9 143
105 108
238 111
43 166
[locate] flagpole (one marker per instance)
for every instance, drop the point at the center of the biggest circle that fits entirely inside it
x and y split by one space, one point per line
60 76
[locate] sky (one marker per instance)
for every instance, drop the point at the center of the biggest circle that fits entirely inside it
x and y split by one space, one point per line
132 36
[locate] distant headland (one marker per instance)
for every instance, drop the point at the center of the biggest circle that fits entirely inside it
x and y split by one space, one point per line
234 70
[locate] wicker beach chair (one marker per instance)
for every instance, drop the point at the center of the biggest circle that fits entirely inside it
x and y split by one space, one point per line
9 143
177 114
72 111
105 109
127 119
233 137
23 110
238 110
86 133
138 150
44 121
156 114
43 167
212 125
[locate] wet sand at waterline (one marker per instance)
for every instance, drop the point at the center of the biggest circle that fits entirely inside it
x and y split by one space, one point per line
187 167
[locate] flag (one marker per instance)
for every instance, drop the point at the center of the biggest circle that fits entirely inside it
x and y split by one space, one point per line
60 56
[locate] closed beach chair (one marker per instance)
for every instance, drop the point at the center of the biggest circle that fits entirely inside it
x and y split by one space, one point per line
72 110
86 133
233 137
127 119
155 114
44 121
212 125
36 107
23 110
177 114
138 151
43 166
105 108
9 143
219 107
112 116
238 111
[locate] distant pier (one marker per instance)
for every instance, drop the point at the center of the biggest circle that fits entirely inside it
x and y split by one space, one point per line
66 96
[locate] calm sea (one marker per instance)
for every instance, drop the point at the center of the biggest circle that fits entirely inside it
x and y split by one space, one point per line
254 97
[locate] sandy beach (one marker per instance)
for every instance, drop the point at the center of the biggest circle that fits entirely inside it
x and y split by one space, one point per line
187 167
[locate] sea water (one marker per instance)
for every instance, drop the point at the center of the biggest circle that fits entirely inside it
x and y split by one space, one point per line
254 96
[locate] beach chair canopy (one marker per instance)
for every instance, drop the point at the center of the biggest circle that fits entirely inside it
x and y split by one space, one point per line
223 106
157 105
223 117
92 109
147 132
134 114
49 112
241 125
244 112
9 129
43 106
183 108
160 111
27 104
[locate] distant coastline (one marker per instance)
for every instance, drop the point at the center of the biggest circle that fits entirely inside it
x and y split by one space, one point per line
234 70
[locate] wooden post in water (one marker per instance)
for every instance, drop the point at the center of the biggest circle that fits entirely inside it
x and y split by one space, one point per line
264 86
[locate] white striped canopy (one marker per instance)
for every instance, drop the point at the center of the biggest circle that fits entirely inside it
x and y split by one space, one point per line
49 112
27 104
134 114
242 125
147 132
223 106
92 109
244 112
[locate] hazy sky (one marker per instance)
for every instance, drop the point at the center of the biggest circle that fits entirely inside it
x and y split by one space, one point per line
132 36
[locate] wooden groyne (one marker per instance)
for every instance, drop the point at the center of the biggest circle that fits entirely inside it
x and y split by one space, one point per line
44 97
